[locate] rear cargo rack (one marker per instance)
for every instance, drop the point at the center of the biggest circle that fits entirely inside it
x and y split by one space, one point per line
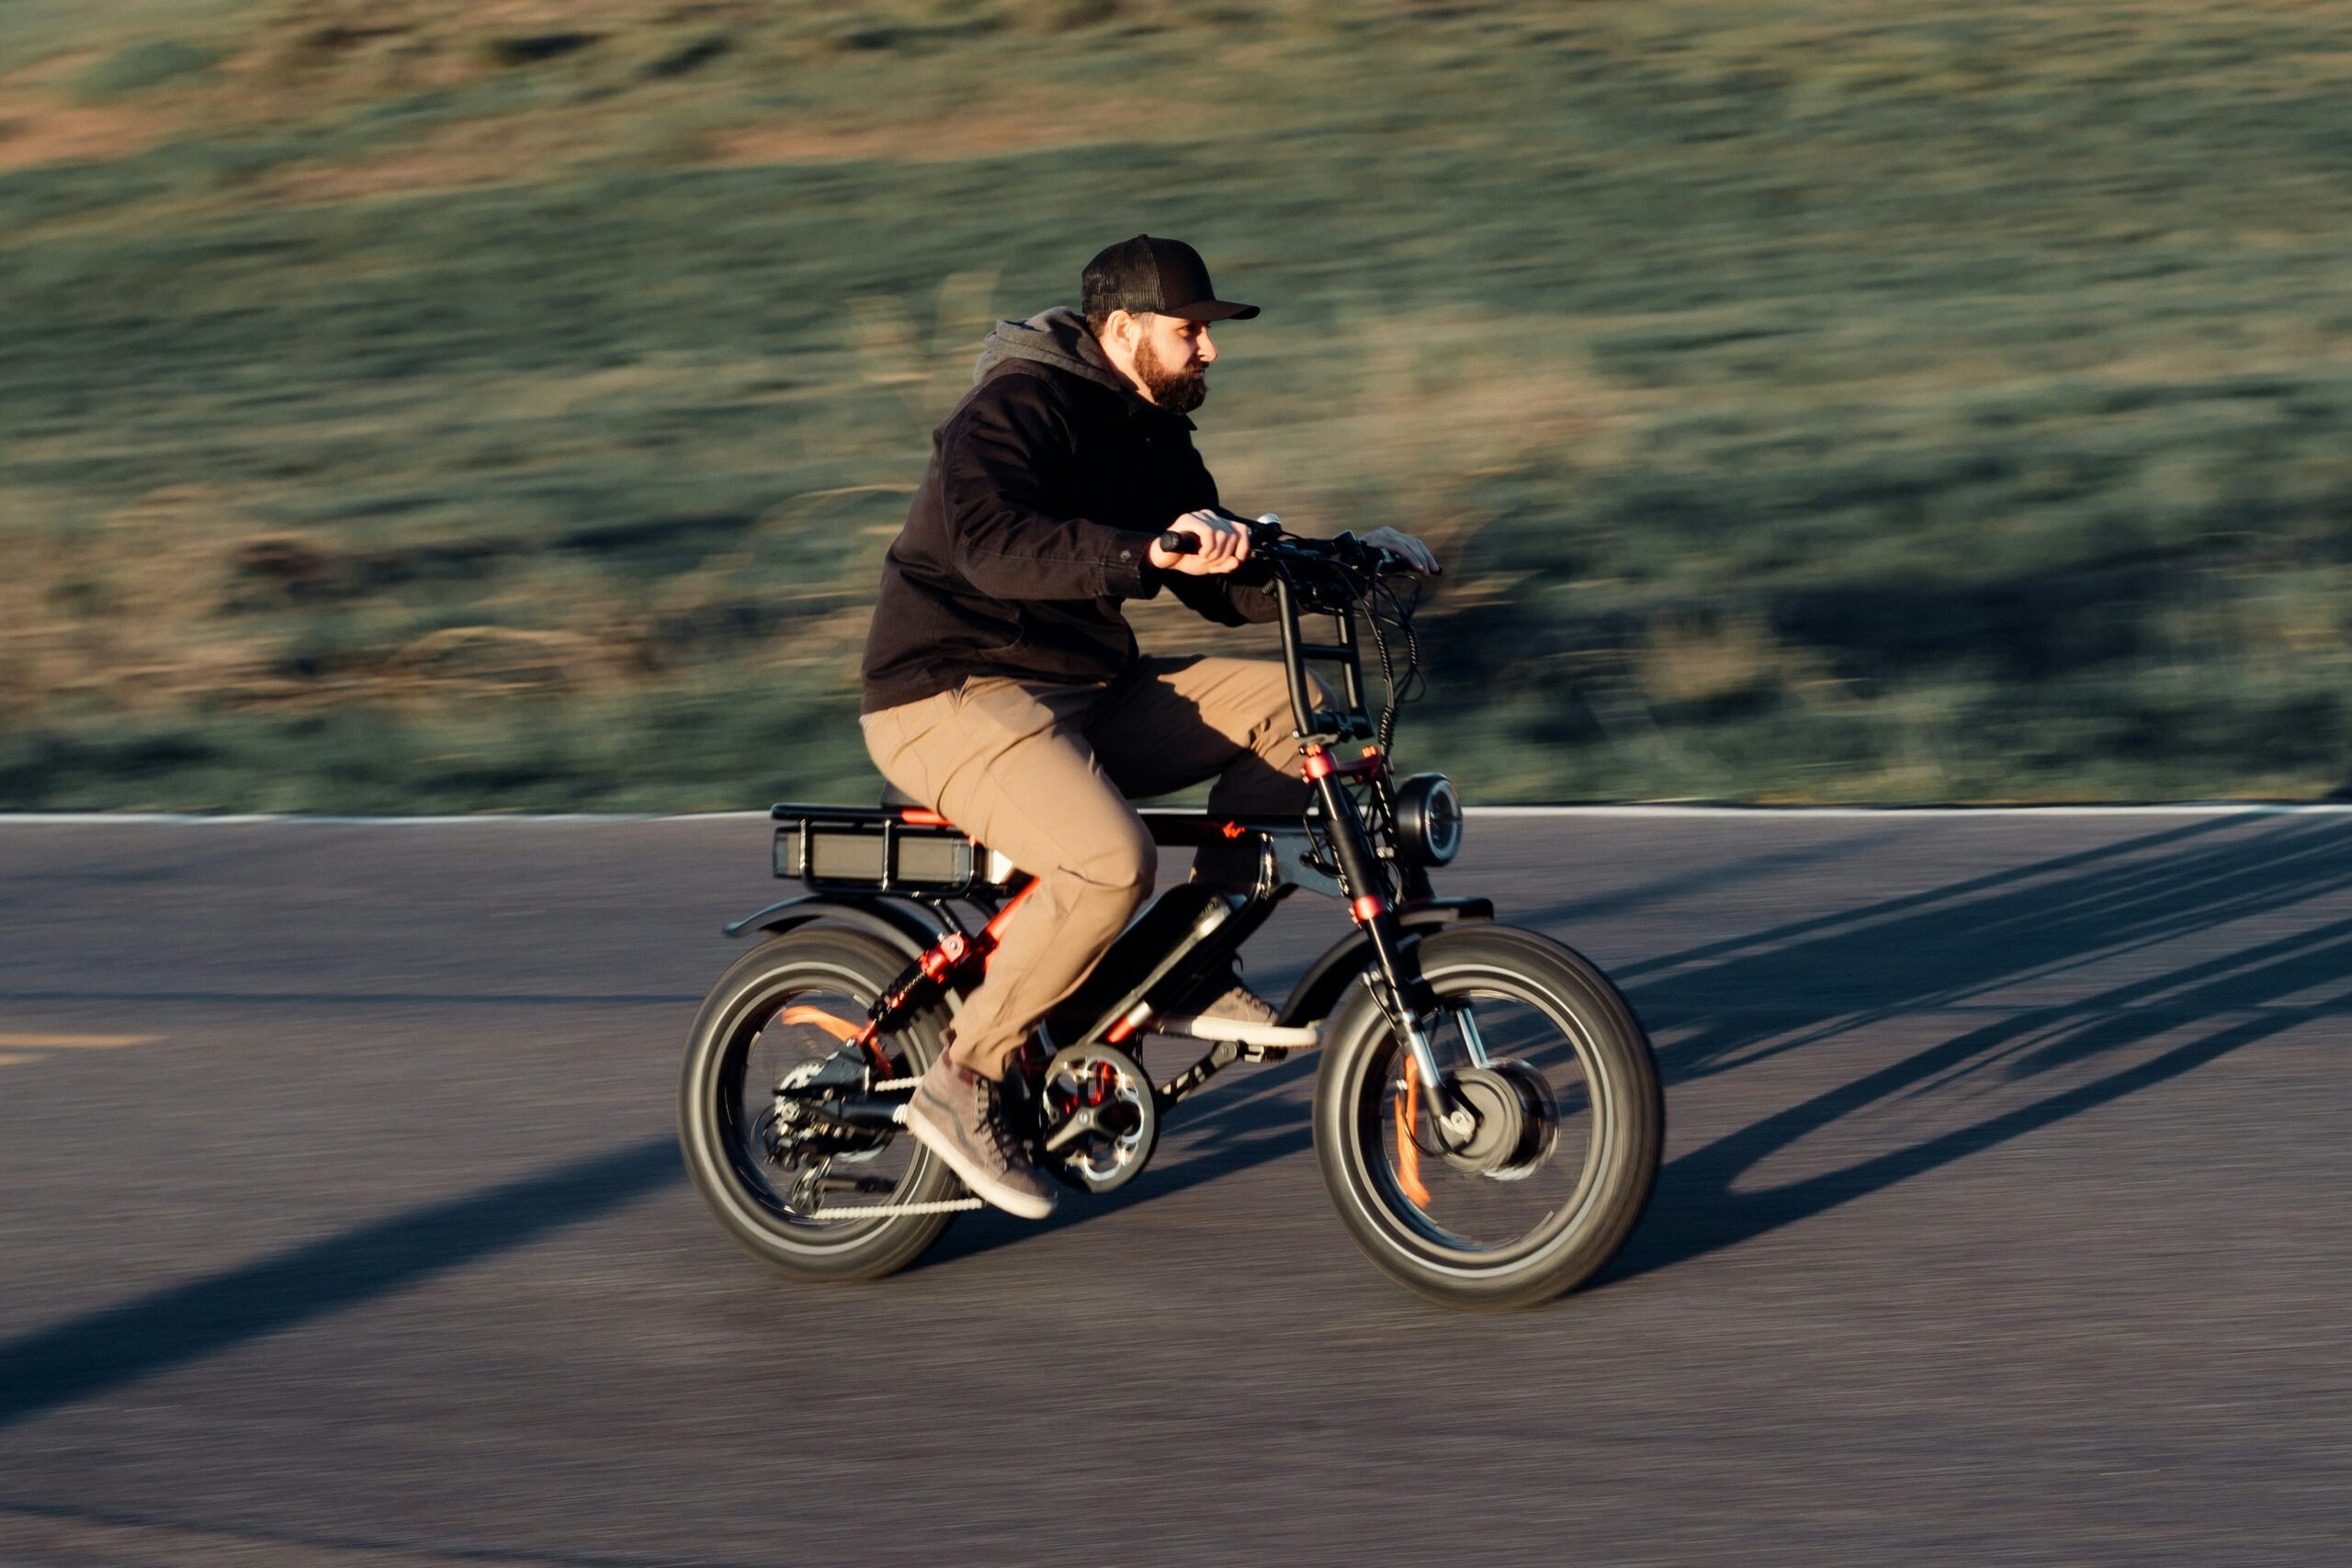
867 849
863 849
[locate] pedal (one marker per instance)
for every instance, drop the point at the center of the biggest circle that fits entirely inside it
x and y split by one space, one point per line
1265 1054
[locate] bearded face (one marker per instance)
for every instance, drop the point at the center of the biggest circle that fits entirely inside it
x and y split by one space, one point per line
1178 392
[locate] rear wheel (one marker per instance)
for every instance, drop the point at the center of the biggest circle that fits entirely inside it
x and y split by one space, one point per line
804 1204
1569 1121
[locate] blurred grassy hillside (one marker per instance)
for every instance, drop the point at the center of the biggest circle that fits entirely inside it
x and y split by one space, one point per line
417 404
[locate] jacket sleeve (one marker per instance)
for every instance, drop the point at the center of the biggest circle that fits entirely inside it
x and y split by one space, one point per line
1000 459
1218 597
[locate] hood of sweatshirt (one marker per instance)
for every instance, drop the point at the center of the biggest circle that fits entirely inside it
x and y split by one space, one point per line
1057 337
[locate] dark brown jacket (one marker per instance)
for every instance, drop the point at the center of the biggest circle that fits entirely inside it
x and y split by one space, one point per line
1046 487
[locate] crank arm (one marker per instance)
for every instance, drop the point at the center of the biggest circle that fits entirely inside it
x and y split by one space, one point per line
1080 1123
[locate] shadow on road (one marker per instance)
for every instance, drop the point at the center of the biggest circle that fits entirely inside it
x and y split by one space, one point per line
105 1349
1812 980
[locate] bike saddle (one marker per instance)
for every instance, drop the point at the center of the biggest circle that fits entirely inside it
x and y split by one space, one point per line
896 799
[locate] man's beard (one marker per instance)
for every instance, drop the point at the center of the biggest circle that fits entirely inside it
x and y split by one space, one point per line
1177 392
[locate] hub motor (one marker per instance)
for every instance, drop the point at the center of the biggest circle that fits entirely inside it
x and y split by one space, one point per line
1518 1121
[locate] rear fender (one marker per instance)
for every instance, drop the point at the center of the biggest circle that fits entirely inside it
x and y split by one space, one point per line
908 928
1327 980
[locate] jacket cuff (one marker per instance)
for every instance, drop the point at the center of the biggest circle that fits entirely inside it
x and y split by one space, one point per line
1126 564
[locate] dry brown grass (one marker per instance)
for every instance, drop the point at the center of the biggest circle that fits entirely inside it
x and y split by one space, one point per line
125 612
36 130
41 123
972 130
1710 659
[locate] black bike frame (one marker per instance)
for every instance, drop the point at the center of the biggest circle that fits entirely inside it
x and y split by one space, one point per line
1345 845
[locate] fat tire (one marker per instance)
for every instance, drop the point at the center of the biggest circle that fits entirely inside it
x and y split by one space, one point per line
1628 1110
847 961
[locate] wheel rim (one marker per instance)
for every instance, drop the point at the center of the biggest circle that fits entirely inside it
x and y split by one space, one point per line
1455 1215
759 1049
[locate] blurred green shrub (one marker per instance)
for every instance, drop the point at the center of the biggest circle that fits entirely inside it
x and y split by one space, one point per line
140 67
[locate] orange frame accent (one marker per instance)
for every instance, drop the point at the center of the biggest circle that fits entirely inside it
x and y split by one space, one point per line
1408 1153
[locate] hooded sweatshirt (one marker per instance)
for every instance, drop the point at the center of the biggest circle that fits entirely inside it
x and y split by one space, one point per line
1034 522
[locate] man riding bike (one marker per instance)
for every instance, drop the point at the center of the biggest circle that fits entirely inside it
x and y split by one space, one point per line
1005 689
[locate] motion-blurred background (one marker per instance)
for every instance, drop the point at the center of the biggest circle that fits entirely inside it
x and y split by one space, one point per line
433 404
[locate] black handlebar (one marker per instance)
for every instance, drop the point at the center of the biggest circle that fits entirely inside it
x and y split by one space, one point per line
1268 536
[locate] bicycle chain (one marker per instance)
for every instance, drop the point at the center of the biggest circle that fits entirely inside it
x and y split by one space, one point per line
867 1210
870 1211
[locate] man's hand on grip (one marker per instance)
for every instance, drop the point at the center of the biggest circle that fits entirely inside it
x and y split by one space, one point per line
1222 546
1405 547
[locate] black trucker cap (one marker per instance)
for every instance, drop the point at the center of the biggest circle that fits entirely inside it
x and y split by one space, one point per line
1164 276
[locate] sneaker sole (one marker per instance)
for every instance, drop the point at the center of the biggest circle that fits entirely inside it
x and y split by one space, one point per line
986 1188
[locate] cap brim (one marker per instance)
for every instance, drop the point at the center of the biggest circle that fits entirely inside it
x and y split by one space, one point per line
1215 311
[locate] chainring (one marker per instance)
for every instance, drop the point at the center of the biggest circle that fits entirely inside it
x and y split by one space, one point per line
1098 1117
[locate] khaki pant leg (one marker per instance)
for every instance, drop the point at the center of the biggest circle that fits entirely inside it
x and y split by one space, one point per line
1174 722
1010 764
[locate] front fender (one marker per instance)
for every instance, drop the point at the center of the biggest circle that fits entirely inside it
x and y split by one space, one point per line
1327 978
905 927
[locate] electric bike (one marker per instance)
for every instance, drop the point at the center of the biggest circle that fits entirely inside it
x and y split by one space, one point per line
1486 1114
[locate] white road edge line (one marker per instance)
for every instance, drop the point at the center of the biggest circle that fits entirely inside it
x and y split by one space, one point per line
261 820
1748 813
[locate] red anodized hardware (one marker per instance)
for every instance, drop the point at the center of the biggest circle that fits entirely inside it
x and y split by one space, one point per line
1367 907
1319 764
942 959
870 1037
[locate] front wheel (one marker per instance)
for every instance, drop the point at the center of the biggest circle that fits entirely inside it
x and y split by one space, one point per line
1569 1122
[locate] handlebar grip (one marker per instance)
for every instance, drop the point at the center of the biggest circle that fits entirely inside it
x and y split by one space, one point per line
1177 544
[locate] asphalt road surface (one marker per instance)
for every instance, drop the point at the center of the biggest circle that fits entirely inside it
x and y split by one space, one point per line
2004 1220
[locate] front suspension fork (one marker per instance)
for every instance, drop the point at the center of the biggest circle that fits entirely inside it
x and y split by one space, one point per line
1397 986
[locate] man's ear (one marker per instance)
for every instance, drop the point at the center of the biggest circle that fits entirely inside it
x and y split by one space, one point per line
1132 327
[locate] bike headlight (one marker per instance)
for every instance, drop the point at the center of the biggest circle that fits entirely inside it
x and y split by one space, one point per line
1429 818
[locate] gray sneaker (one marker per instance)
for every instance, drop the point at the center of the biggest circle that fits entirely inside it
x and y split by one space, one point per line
1241 1005
955 1113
